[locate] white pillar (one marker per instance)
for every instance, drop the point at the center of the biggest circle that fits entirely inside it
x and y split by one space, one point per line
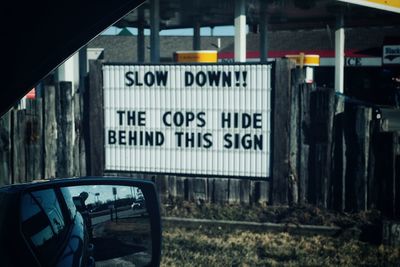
339 55
69 71
196 36
82 67
155 30
240 31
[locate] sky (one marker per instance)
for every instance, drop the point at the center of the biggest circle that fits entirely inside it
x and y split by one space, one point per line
105 192
205 31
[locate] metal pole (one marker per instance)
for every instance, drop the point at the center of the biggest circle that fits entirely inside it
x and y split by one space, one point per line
155 30
140 42
339 54
240 31
196 36
263 33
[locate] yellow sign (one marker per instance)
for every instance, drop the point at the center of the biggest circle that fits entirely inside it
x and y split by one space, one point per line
304 60
202 56
388 5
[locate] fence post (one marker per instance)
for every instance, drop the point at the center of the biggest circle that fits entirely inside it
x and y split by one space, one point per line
357 144
244 191
34 139
281 132
373 180
197 189
65 144
363 122
5 149
385 172
19 153
180 188
262 192
322 105
50 131
297 78
338 199
220 190
95 120
234 191
78 150
161 182
304 142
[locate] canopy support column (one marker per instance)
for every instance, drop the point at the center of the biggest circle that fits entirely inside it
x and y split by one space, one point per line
240 31
339 54
196 36
140 41
263 33
155 31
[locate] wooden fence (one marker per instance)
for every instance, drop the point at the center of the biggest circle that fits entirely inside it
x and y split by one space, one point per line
340 157
326 150
45 138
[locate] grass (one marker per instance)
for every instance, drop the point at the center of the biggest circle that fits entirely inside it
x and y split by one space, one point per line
216 246
301 214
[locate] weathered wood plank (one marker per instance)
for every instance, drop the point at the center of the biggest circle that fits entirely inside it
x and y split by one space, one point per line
95 119
373 177
281 132
5 149
357 144
220 190
339 157
391 233
363 122
322 110
264 192
50 131
304 142
397 187
34 160
197 188
65 144
385 172
244 190
161 182
77 128
180 188
210 190
19 141
297 78
234 191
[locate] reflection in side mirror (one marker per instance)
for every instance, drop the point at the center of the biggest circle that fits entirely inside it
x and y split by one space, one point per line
84 222
117 221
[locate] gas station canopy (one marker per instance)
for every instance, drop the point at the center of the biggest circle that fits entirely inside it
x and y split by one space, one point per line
280 14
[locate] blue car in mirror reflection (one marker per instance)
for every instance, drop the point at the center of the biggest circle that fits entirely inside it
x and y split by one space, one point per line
54 229
76 226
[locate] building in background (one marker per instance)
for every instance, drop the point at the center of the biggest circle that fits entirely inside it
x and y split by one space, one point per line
363 55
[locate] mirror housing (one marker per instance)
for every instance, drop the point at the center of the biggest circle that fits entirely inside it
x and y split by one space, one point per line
133 213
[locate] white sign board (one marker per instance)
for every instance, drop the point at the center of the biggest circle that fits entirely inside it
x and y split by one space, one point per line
391 54
188 119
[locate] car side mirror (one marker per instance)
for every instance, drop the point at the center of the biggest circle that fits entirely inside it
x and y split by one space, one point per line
94 221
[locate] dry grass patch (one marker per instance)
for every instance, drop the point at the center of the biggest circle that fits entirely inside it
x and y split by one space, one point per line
224 247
